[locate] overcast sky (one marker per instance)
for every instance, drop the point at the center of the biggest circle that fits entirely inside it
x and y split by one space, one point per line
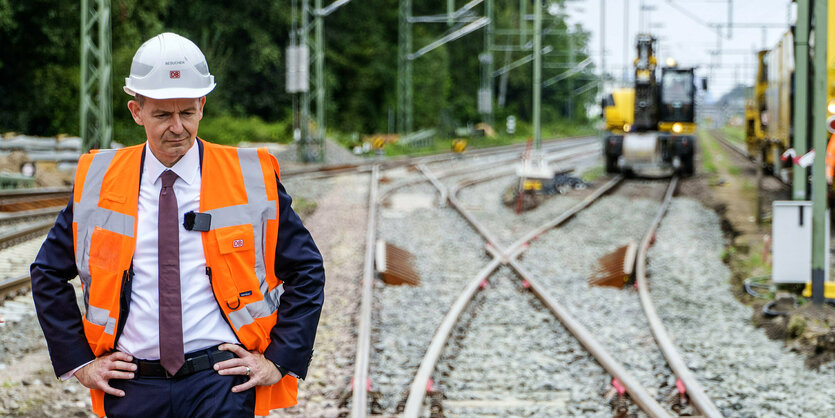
684 32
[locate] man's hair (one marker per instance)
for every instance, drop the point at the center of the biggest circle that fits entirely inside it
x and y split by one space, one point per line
140 99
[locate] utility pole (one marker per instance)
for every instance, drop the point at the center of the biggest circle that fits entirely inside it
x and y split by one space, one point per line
572 62
523 11
404 68
819 185
306 142
801 97
312 144
537 76
730 18
625 42
96 108
485 91
317 151
602 43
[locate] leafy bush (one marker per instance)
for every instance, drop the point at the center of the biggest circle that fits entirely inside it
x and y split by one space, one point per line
230 130
220 129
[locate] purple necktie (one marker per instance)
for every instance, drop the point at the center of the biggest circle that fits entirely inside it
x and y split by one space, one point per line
170 310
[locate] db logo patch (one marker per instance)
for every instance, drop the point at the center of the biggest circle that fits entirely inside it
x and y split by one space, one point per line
174 74
238 243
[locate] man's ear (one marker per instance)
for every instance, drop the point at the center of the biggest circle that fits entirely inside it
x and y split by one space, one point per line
135 109
202 103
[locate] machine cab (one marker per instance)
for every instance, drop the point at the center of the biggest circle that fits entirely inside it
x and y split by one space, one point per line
678 92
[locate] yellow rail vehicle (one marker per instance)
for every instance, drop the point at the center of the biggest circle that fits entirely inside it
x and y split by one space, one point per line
769 107
651 125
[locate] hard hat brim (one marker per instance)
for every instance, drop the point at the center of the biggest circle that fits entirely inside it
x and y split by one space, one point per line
169 93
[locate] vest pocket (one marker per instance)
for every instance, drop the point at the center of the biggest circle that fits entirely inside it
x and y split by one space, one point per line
105 249
236 248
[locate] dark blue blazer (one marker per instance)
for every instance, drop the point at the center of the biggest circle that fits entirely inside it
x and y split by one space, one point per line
298 263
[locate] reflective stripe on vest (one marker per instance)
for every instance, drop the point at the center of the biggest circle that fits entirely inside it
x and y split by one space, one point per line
87 215
255 212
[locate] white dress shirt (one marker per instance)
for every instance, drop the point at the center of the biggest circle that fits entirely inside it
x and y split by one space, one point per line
203 322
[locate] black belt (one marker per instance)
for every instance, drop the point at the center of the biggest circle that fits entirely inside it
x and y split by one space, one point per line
195 362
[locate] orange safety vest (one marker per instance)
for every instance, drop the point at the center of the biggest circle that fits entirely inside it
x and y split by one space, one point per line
238 189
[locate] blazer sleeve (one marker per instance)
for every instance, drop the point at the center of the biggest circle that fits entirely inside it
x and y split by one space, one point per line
299 265
55 301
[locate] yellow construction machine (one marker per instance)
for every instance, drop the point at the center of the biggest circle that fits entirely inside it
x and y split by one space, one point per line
652 124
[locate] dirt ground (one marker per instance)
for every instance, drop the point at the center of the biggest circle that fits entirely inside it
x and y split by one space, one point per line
731 191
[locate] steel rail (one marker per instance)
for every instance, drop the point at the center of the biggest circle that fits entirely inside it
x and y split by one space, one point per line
568 151
435 182
735 148
433 178
359 403
38 191
6 217
13 284
324 171
419 387
692 386
636 391
567 214
10 238
483 231
744 154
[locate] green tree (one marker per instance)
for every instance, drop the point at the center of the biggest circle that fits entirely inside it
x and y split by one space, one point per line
39 66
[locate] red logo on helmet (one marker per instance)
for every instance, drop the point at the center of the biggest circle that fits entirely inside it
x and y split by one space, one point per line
174 74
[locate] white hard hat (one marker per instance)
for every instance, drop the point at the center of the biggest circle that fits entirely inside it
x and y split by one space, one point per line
169 66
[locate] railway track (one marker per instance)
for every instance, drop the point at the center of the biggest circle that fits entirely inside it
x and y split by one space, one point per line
18 200
12 286
21 233
742 155
512 151
508 256
736 149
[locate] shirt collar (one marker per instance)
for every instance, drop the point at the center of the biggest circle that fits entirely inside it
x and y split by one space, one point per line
187 168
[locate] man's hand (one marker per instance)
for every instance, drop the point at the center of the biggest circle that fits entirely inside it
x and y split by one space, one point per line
261 371
97 375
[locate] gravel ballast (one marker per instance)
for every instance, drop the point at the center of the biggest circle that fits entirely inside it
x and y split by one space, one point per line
514 358
566 257
447 255
742 370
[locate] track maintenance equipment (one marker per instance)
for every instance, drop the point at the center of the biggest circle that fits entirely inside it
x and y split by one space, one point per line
652 124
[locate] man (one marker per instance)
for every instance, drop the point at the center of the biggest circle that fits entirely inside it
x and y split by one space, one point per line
202 288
